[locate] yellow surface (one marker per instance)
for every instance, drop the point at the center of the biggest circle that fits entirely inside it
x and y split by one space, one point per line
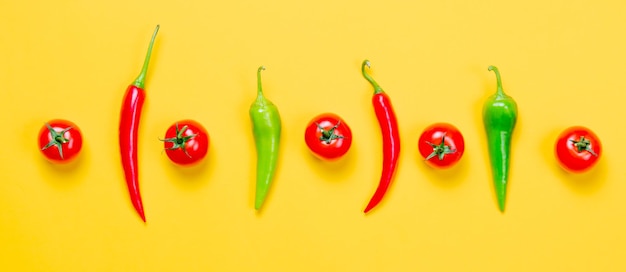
562 61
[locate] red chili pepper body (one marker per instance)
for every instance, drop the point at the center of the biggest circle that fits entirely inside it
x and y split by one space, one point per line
129 127
391 139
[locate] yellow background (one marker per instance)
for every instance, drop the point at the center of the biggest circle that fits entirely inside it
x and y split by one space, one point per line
562 61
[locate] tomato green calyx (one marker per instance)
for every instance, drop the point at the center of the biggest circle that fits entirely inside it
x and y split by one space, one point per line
328 135
440 150
377 88
58 139
583 144
500 91
180 141
141 79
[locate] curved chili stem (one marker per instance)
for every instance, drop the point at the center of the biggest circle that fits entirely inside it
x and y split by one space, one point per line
259 85
377 88
499 91
140 81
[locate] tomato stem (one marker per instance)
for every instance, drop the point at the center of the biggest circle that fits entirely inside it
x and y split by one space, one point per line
440 150
179 141
329 135
58 139
377 88
584 144
140 81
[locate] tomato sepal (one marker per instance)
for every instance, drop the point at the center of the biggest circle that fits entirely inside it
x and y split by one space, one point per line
180 141
186 142
440 150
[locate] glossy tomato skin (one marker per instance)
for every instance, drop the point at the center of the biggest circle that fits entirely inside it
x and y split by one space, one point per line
319 142
71 141
567 153
432 135
193 139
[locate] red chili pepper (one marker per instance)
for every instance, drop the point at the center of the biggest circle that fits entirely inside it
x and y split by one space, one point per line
129 125
391 138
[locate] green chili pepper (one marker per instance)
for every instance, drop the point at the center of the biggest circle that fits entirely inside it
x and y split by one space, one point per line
266 127
499 117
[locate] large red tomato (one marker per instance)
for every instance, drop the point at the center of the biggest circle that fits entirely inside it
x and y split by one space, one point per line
441 145
186 142
60 141
577 149
328 136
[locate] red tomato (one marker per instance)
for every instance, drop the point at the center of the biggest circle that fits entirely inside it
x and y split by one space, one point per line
60 141
186 142
328 136
577 149
441 145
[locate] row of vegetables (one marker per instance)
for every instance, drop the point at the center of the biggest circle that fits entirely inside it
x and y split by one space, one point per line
327 135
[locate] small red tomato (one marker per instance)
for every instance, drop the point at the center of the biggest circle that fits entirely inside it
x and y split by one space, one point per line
577 149
60 141
328 136
441 145
186 142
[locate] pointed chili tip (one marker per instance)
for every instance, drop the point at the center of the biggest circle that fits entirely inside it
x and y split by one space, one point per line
501 205
370 206
258 204
143 216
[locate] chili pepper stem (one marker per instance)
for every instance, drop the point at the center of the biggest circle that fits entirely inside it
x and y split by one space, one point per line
500 91
259 85
140 81
377 88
